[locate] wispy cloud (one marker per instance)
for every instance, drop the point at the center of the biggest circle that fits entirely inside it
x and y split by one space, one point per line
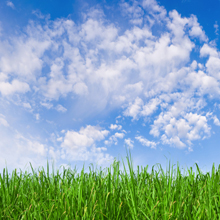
40 15
3 121
60 108
146 142
37 116
129 142
10 4
216 26
47 105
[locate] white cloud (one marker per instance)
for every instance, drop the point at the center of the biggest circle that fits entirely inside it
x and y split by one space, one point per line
60 139
149 108
213 66
40 15
119 135
134 12
216 121
37 116
114 138
47 105
27 105
75 145
60 108
139 109
10 4
200 126
24 150
202 82
201 66
16 86
120 127
22 57
179 125
146 142
113 127
3 76
55 88
134 109
86 137
208 50
33 147
3 121
133 90
157 12
196 29
177 25
174 141
80 88
129 142
216 26
94 30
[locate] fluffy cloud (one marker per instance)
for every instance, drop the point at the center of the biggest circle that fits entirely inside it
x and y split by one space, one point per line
114 138
196 30
84 138
191 127
113 127
156 13
174 141
22 57
75 144
149 108
7 88
208 50
177 122
134 109
203 83
138 108
119 135
133 11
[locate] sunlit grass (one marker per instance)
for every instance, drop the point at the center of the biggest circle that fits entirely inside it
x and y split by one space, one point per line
110 196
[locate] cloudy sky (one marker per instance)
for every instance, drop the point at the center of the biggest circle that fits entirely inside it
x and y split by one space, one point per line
81 81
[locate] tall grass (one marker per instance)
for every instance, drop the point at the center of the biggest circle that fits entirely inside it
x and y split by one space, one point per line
114 197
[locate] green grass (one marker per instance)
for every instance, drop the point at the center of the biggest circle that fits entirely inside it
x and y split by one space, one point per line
114 196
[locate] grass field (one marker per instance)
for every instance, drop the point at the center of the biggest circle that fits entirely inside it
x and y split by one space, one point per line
114 196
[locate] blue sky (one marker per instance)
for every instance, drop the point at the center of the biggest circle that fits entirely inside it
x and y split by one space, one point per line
82 80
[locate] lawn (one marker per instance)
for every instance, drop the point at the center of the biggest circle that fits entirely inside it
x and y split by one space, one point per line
117 196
